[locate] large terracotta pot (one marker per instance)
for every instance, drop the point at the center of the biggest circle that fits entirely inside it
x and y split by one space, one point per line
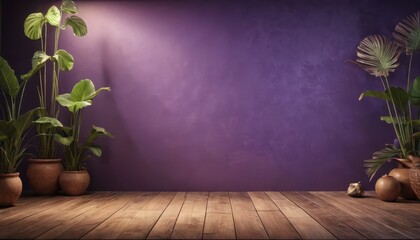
10 189
74 183
415 175
43 174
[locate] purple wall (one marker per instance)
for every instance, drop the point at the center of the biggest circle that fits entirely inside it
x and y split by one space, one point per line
224 95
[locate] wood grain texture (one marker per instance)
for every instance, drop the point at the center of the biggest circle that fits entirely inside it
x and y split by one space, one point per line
214 215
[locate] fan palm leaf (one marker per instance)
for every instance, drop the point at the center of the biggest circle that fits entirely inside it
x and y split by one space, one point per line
377 55
407 33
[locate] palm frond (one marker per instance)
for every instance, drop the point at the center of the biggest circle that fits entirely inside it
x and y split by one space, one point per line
377 55
380 158
407 33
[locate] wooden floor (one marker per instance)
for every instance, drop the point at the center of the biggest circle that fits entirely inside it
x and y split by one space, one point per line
214 215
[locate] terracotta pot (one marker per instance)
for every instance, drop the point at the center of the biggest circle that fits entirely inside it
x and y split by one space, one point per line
415 175
402 175
43 174
10 189
387 188
74 183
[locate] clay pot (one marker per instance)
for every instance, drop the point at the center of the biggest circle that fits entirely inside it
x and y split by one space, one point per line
74 183
402 175
43 174
415 175
387 188
10 189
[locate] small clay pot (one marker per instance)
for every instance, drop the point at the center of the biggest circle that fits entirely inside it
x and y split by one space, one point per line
43 174
74 183
10 189
387 188
402 175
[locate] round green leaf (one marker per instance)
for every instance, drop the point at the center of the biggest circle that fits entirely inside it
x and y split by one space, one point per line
33 25
53 16
83 90
69 6
65 60
38 61
78 25
8 81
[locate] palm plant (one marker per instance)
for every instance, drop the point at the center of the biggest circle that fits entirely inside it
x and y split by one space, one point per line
379 56
14 126
36 28
75 149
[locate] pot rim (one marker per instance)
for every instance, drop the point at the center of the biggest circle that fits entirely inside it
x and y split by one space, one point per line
75 172
40 160
9 175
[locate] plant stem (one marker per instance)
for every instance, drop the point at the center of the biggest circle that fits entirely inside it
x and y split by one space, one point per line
411 131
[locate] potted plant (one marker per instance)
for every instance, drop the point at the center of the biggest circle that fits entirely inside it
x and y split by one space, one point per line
75 178
379 56
43 172
13 130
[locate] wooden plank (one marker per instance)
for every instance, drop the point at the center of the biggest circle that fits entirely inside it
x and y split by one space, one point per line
248 224
392 226
136 220
219 219
102 209
305 225
165 225
190 222
334 225
262 202
277 225
41 222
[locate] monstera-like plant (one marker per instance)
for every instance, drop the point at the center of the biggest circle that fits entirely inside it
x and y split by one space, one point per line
75 179
43 172
379 56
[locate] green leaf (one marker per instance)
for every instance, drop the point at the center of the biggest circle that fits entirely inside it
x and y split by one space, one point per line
375 94
73 106
380 158
7 129
407 33
400 97
95 133
38 61
416 135
96 150
24 121
377 55
83 90
66 141
53 16
33 25
415 92
8 81
54 122
387 119
78 25
65 60
69 6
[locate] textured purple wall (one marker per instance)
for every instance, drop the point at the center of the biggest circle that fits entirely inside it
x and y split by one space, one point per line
224 95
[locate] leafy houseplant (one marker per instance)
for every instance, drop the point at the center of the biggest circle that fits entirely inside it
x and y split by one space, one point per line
43 172
13 130
76 150
35 26
379 56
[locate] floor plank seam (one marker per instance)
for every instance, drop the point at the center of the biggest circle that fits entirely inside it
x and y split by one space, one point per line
160 216
177 216
105 219
233 217
205 215
259 217
311 216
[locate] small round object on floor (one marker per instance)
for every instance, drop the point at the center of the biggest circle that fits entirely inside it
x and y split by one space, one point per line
355 190
387 188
